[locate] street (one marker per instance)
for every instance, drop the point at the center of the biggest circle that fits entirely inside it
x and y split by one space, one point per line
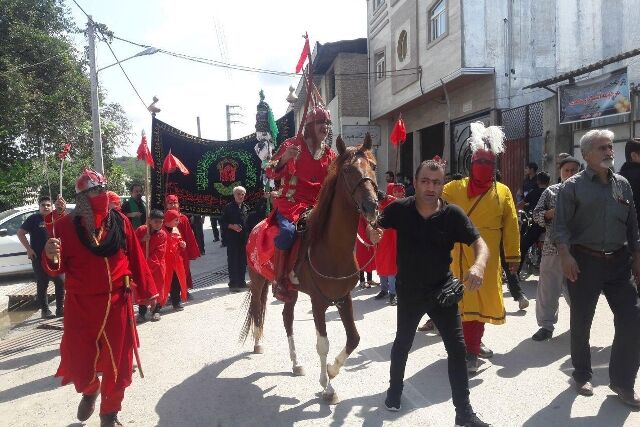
196 373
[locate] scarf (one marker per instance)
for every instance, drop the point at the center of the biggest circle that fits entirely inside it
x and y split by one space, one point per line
482 172
111 243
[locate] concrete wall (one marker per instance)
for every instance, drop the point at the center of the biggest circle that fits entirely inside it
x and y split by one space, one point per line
437 60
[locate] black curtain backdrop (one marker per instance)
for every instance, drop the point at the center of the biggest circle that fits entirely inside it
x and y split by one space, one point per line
215 168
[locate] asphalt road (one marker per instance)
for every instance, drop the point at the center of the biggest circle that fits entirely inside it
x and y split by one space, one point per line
198 375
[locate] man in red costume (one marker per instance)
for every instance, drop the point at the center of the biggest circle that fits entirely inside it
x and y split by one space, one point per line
301 164
155 253
96 248
192 250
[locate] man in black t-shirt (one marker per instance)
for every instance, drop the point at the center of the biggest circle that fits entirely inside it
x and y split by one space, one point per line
35 227
427 229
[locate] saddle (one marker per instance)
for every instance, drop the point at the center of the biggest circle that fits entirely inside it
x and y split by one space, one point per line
261 247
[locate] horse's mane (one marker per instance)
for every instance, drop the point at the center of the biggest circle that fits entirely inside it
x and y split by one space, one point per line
320 213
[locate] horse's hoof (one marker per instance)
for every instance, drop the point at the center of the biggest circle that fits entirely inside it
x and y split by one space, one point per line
330 398
298 371
331 371
258 349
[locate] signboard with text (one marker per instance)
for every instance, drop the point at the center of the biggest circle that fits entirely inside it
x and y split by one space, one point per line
602 96
353 135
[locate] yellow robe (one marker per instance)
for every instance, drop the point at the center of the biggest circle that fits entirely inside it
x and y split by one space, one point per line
496 219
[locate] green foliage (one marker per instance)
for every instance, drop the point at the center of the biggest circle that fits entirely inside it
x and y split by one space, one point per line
45 102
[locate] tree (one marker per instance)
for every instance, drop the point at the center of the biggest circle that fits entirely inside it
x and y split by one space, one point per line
46 103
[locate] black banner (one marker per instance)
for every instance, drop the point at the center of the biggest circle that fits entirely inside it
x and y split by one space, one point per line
215 167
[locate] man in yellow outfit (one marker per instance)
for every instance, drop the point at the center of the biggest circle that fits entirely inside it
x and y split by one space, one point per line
489 205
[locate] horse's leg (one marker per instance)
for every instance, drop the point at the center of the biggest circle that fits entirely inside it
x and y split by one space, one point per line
353 338
287 318
257 308
322 346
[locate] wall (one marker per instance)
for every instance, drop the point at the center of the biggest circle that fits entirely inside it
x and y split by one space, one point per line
437 60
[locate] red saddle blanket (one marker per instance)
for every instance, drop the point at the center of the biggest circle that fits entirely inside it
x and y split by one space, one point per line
261 249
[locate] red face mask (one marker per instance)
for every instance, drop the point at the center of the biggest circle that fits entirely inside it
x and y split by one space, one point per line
100 207
480 179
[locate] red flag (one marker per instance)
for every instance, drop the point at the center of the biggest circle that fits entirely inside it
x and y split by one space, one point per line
306 51
143 151
64 152
399 133
172 163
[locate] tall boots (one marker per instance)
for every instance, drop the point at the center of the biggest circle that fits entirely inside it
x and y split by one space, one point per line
280 289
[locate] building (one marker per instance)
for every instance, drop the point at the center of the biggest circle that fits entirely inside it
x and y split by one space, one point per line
443 64
340 73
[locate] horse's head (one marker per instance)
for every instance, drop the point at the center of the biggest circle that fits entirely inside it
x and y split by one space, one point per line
359 178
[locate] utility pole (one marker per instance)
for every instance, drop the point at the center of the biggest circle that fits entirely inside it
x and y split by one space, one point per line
95 108
230 115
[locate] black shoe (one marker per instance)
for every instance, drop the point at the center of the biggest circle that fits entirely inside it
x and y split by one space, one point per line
381 295
178 307
542 335
47 314
216 239
393 299
485 352
223 245
86 406
109 420
392 402
470 421
60 312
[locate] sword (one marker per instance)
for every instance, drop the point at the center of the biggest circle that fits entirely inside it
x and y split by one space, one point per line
132 324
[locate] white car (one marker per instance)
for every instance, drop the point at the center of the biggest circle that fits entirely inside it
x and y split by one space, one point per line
13 256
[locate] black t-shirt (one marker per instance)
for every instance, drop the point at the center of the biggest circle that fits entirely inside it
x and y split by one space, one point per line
424 245
34 225
532 197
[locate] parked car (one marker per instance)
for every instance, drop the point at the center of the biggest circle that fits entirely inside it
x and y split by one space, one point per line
13 256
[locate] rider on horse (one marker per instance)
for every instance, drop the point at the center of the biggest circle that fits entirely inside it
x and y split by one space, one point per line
301 164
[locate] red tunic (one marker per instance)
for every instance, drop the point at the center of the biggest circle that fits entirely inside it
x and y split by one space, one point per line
156 258
300 179
175 264
51 220
365 255
386 250
97 335
192 251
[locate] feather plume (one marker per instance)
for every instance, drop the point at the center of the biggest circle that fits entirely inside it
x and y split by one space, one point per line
486 138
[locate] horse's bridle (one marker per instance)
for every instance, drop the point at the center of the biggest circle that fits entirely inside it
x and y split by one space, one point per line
352 192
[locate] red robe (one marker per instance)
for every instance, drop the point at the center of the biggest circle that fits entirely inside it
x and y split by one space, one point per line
386 250
51 221
192 251
301 179
174 264
156 258
365 255
97 334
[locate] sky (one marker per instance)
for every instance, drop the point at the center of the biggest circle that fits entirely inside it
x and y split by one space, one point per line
255 33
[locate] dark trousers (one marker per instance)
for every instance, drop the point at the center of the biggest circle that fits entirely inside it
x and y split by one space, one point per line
214 228
611 277
42 283
411 308
198 230
527 240
513 283
236 261
369 276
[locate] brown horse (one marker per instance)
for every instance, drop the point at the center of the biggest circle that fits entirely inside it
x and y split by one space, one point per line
326 268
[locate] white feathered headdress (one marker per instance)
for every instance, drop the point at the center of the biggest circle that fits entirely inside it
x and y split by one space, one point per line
486 138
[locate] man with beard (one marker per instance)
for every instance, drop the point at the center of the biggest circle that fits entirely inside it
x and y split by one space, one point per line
302 164
490 206
191 251
96 248
134 208
596 233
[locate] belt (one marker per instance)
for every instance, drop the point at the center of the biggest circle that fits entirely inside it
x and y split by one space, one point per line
600 254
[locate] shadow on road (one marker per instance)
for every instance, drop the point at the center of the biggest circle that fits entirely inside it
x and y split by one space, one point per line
531 354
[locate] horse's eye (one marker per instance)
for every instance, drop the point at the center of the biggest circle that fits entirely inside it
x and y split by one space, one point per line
373 167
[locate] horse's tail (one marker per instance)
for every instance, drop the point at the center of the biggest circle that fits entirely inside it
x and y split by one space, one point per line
255 304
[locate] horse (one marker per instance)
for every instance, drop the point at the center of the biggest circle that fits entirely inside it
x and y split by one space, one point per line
326 267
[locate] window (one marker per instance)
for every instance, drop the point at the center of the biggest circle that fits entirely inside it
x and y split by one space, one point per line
438 20
402 46
381 65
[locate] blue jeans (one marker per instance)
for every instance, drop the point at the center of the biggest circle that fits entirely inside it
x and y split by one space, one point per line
284 240
388 283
